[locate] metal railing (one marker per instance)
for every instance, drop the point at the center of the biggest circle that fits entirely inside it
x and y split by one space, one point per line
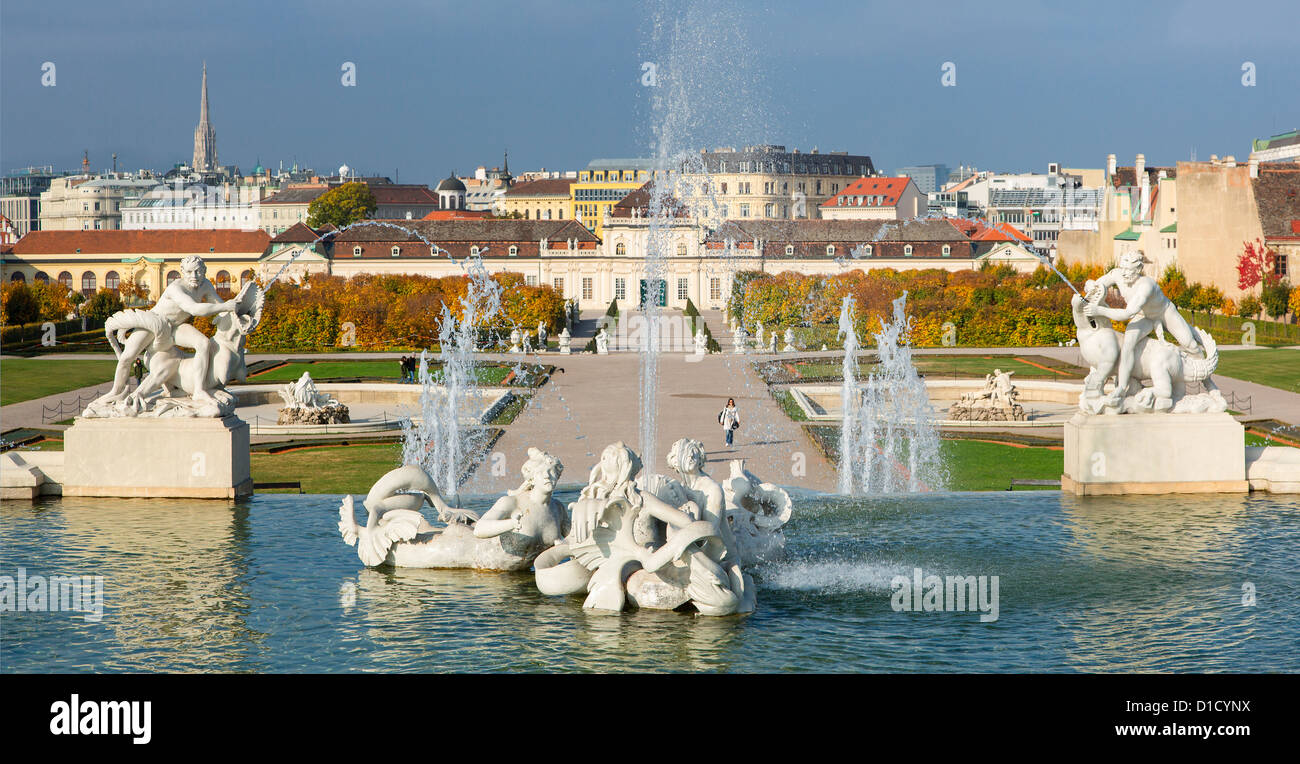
68 407
1236 402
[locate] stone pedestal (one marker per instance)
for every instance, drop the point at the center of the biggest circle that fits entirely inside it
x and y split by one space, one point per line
199 457
1154 453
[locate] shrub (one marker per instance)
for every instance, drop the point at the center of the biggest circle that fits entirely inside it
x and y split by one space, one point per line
1274 297
102 304
20 305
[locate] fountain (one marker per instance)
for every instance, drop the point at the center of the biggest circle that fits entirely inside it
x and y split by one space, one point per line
888 441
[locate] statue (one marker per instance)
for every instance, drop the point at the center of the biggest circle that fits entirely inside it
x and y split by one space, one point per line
541 337
758 337
1134 357
627 545
177 384
528 341
602 342
304 404
789 341
515 338
564 341
771 342
701 342
740 339
995 402
757 512
509 536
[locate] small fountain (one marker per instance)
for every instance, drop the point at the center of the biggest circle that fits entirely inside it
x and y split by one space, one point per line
888 441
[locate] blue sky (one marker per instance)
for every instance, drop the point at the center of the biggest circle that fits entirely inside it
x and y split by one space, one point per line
443 85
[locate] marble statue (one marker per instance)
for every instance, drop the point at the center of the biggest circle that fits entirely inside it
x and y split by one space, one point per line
657 543
701 343
602 342
541 337
758 337
515 339
1135 357
177 384
995 402
304 404
564 342
789 342
528 341
740 339
509 536
757 512
771 342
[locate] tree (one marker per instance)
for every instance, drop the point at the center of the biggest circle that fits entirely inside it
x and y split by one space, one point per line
1174 284
20 305
1205 299
102 304
1255 265
1295 303
1274 297
1249 307
342 206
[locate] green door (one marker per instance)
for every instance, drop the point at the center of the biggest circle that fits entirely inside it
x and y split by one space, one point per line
660 287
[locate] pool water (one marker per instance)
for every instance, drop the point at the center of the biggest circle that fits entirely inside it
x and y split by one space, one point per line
267 585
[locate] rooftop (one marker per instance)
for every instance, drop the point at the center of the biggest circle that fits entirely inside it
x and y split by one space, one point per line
141 242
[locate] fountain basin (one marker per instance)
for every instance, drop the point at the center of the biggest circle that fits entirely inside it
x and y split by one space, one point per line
373 407
1047 403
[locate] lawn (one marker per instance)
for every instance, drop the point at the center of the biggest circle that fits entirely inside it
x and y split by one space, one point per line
955 366
328 469
1273 367
22 379
321 370
979 466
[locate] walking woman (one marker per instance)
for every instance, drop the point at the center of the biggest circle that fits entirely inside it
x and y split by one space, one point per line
729 418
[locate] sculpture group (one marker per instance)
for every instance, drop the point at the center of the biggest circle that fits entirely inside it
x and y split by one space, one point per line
652 541
1135 357
179 384
305 404
995 402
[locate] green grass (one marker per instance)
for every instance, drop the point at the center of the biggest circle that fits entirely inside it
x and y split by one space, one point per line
978 466
22 379
511 410
788 404
487 375
1273 367
972 366
328 469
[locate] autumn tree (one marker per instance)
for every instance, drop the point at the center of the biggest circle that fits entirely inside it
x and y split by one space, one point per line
1255 265
342 206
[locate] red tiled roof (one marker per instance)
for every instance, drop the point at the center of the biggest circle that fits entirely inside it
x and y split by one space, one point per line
890 188
141 242
543 187
456 215
407 194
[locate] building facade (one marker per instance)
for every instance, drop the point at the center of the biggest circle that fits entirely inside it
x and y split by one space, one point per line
546 199
876 199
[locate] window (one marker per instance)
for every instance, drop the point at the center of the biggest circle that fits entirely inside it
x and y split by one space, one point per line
87 283
473 251
42 277
558 283
397 251
947 250
907 250
830 250
1280 264
819 188
245 277
356 251
586 287
769 210
681 250
111 280
620 289
514 250
65 280
530 280
620 249
222 282
789 249
744 210
683 288
715 288
18 278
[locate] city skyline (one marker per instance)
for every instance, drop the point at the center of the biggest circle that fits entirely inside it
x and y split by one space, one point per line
1164 82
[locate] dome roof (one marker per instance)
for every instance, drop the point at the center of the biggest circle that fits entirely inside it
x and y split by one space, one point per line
451 183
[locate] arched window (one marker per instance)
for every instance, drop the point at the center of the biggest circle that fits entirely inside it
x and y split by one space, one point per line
18 278
172 276
246 277
43 277
222 282
681 250
907 250
111 280
620 248
87 283
65 279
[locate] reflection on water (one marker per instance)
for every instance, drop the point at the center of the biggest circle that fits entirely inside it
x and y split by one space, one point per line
1098 584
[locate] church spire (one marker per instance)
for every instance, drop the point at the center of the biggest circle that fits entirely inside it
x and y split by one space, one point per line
205 138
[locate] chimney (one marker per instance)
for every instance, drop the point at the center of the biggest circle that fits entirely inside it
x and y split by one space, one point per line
1140 166
1110 165
1230 161
1254 165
